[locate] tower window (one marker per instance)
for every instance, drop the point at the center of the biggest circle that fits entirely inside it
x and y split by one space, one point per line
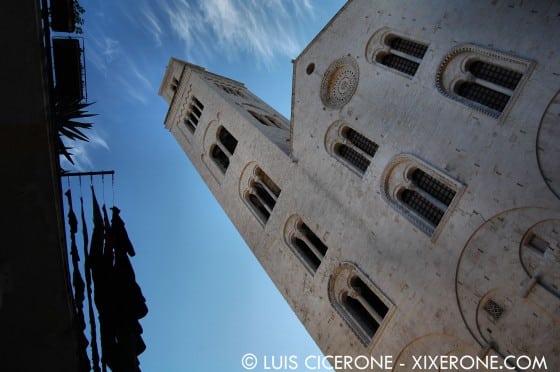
403 55
193 114
265 120
305 243
483 79
358 302
220 158
223 149
262 195
354 149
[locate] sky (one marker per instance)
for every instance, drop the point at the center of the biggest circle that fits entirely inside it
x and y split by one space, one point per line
209 300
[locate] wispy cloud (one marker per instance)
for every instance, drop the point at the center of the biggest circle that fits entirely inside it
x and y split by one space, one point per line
152 24
103 51
266 29
81 151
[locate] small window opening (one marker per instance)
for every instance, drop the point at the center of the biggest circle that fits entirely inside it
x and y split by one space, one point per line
360 141
307 245
223 149
367 309
259 207
193 115
262 195
227 140
483 95
220 158
306 253
352 156
400 64
360 315
538 244
408 47
402 55
495 74
494 309
422 206
432 186
310 68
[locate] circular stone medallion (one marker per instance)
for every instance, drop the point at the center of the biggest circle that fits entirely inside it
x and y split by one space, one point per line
339 82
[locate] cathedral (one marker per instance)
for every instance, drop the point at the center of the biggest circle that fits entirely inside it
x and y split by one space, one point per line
411 203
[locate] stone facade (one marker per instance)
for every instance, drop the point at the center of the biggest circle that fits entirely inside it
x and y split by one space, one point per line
411 206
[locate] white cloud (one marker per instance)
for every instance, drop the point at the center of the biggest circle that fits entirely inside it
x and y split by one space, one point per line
266 29
80 151
103 51
152 23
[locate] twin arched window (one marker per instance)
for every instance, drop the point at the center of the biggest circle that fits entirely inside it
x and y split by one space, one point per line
352 148
223 149
483 79
419 192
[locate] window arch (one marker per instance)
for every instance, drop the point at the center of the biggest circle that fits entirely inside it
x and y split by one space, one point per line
359 302
419 192
350 147
259 192
305 244
193 114
395 51
482 79
223 149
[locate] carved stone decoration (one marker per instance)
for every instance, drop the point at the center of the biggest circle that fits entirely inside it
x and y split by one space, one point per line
340 82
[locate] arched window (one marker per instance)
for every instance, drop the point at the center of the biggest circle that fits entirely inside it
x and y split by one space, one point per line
260 194
193 115
397 52
419 192
362 305
223 149
304 243
353 149
483 79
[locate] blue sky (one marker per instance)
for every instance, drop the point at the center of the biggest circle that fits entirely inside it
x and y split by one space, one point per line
210 301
